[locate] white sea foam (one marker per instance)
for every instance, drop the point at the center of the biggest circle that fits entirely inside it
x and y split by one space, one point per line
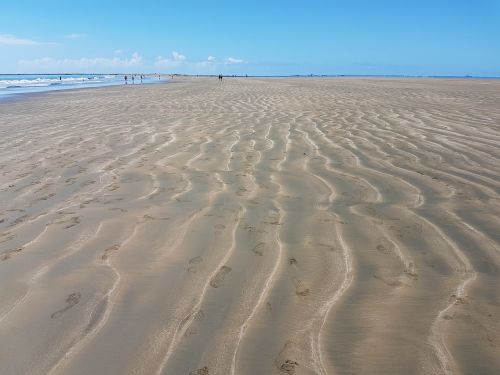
22 83
6 83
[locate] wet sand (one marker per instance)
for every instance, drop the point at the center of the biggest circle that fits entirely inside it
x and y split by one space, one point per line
258 226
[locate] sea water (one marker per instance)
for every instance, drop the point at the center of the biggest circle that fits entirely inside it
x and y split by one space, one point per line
32 83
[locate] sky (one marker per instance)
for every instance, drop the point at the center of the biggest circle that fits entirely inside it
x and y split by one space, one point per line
439 37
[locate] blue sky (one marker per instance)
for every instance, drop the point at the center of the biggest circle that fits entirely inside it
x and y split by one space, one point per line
255 37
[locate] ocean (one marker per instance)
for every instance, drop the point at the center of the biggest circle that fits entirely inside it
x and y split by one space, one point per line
11 84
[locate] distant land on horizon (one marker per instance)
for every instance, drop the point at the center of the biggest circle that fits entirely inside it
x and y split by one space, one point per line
259 75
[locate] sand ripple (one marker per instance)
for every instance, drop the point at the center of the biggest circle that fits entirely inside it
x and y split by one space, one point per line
261 226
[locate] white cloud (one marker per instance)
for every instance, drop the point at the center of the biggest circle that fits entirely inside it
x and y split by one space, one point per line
118 52
178 57
162 62
175 61
11 40
82 64
232 60
179 62
76 36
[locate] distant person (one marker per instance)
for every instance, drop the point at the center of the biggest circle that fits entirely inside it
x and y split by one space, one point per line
133 78
60 78
126 82
141 78
158 77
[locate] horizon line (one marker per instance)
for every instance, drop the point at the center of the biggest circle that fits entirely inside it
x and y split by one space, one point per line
265 75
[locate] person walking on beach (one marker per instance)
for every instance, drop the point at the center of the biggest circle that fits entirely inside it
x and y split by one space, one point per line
133 78
126 79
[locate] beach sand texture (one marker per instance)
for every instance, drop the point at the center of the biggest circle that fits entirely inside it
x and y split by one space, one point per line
258 226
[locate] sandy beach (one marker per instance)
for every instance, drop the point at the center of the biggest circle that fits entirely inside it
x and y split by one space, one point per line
258 226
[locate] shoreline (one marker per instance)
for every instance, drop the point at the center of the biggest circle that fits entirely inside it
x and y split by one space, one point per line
12 97
18 91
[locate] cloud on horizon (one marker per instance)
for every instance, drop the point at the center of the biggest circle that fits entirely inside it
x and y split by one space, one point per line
232 60
75 36
177 56
12 40
175 61
100 64
135 63
178 61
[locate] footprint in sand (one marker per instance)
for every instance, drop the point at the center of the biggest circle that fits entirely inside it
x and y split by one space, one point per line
113 187
44 198
150 217
72 222
117 209
410 271
19 220
70 181
219 228
218 280
325 246
300 289
7 254
283 362
389 282
384 246
382 249
273 222
200 371
71 301
108 251
288 367
7 236
193 268
198 318
259 249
